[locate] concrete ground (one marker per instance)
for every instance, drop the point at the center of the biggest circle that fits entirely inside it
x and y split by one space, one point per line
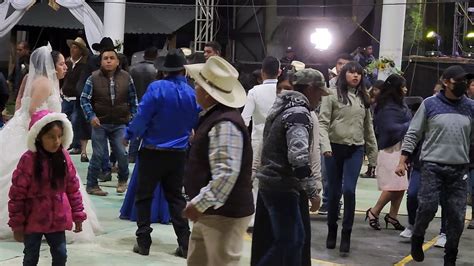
368 247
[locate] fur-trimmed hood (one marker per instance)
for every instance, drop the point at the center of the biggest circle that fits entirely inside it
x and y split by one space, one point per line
41 119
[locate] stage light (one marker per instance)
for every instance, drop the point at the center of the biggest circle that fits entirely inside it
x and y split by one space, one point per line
321 39
433 42
468 47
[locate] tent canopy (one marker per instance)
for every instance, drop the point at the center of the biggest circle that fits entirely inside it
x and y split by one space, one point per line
139 19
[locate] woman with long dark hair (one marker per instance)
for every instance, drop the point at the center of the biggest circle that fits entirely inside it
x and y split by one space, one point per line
346 128
391 121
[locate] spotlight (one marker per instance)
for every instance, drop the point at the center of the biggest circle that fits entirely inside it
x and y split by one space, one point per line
468 51
321 38
433 42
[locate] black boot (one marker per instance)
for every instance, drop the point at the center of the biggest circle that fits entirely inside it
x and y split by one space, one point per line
450 257
417 248
332 237
345 246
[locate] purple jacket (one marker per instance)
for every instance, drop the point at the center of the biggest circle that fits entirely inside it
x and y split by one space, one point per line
34 207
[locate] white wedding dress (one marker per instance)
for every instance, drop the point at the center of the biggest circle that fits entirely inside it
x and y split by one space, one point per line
12 146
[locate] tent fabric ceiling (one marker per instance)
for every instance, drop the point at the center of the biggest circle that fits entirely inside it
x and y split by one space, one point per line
139 19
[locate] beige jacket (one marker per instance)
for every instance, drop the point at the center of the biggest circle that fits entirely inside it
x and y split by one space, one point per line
315 154
347 124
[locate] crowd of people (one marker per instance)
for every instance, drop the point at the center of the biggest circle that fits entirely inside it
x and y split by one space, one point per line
184 121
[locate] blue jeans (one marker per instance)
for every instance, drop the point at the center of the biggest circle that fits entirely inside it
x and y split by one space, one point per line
57 247
70 109
343 169
287 228
412 200
114 134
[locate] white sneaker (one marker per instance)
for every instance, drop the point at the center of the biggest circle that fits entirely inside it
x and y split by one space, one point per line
441 241
407 233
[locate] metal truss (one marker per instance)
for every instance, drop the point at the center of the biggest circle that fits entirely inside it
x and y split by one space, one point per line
460 26
204 23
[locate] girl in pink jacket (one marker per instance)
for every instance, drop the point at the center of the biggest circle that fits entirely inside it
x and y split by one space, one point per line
44 196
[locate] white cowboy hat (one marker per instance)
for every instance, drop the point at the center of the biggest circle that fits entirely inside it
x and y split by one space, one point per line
80 43
220 80
298 65
186 51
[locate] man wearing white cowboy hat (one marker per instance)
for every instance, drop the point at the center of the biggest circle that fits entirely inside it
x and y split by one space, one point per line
218 172
71 94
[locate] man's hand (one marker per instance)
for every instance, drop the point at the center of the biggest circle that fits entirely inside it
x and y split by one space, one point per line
401 169
315 204
77 227
95 122
191 212
402 166
19 236
328 154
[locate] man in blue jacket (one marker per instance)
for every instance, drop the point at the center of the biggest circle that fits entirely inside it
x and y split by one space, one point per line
166 116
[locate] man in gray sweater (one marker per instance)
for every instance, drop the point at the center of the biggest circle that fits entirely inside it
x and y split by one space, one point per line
446 122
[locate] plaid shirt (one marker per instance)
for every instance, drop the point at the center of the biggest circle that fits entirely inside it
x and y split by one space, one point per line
225 158
86 97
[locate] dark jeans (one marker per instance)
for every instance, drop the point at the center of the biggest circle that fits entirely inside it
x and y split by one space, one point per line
450 180
287 228
134 147
70 109
100 135
412 200
166 167
57 247
471 181
343 169
262 236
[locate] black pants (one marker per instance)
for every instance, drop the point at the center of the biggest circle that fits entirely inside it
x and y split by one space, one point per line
166 167
450 180
262 236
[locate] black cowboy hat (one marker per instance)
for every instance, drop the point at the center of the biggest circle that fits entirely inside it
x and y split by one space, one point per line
105 44
174 61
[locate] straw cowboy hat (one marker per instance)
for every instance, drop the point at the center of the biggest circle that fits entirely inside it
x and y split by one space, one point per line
220 80
298 65
186 51
80 43
41 119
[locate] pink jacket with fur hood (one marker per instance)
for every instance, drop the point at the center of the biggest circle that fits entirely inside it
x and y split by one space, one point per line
35 207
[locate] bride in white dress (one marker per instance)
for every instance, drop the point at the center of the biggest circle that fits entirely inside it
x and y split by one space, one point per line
36 97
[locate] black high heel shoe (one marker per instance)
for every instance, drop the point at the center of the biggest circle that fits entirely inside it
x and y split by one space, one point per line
374 222
396 224
84 158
